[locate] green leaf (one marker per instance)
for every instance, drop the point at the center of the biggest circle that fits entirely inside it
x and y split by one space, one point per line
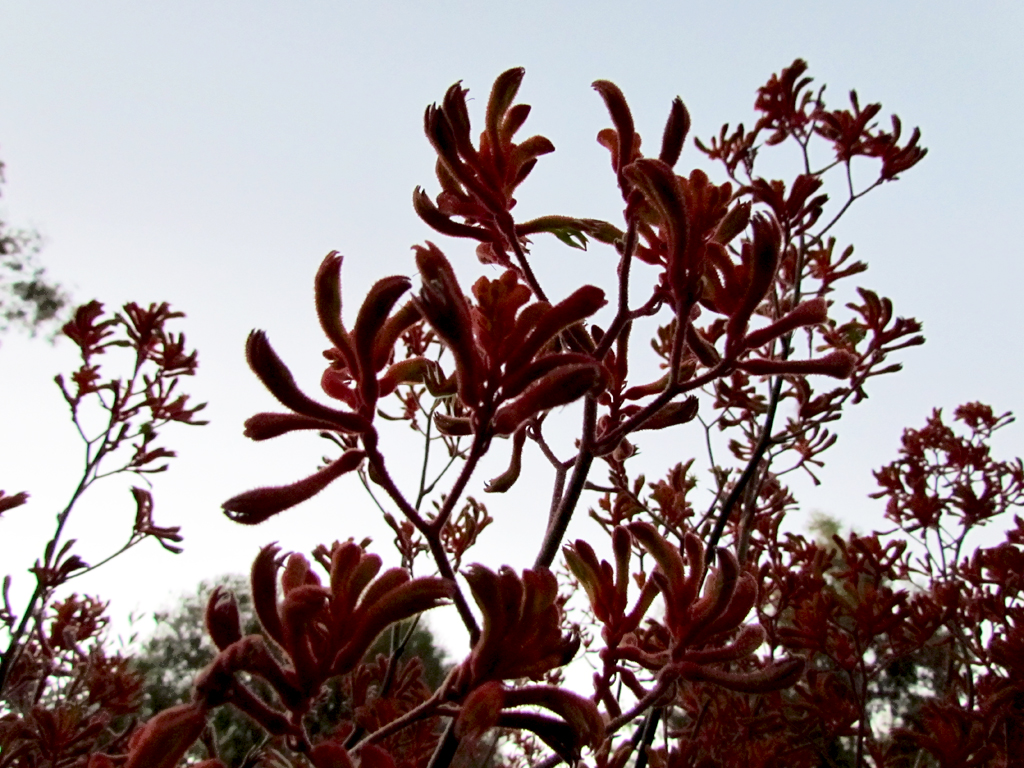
572 237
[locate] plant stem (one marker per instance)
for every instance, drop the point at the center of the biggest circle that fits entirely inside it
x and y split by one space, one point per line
446 748
560 522
432 536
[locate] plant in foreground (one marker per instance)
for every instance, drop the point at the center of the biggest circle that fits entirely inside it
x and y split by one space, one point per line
742 272
716 639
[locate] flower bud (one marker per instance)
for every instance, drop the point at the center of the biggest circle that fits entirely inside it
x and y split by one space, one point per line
10 502
695 558
480 711
263 580
622 119
372 315
521 635
578 712
524 156
271 370
560 387
453 426
518 378
438 221
572 231
257 505
166 737
808 313
734 222
839 364
222 620
263 426
703 349
384 343
658 184
644 390
742 600
557 734
665 555
503 93
297 573
580 304
673 414
507 479
413 370
763 264
717 593
587 569
383 605
447 130
676 128
327 293
749 640
444 305
515 116
773 677
621 543
301 607
457 116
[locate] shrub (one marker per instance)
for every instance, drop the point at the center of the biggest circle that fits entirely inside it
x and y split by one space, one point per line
716 638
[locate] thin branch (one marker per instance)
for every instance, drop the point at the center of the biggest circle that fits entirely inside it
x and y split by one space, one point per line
426 454
610 440
647 733
422 710
584 459
641 706
622 314
478 449
444 566
509 230
748 472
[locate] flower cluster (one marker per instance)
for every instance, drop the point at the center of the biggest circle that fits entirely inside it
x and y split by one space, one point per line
119 419
715 637
740 268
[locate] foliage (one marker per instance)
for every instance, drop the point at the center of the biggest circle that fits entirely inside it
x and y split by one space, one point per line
179 649
715 637
62 696
67 696
28 298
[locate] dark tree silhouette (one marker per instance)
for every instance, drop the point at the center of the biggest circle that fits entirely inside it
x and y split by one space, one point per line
29 299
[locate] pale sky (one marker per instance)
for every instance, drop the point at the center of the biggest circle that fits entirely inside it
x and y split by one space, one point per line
210 154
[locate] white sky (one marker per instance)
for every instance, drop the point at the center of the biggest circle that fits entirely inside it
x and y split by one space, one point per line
210 154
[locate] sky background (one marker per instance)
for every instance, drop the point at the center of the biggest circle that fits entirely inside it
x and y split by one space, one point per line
210 154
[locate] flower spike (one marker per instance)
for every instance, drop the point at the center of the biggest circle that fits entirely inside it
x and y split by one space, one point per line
676 128
257 505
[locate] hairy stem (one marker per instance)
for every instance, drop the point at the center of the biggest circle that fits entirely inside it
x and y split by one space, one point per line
432 536
584 459
764 441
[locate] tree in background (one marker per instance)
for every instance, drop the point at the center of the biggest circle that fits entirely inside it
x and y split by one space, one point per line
28 298
179 649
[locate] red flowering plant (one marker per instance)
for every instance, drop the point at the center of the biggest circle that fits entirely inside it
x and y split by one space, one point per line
63 696
717 639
